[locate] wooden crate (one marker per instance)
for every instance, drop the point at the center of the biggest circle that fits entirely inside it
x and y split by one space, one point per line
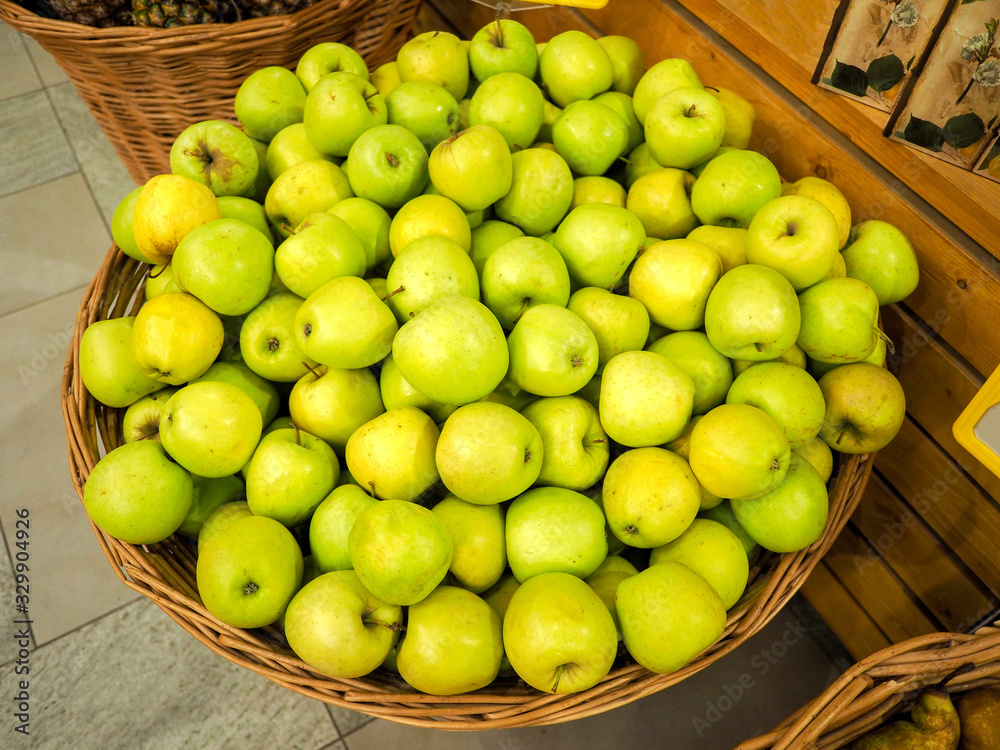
923 551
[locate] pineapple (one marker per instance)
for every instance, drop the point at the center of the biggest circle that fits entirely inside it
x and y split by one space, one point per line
99 13
167 14
260 8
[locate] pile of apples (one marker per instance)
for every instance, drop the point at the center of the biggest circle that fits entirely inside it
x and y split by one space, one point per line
514 350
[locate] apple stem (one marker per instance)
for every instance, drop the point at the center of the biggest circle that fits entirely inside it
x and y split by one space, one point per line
313 371
298 435
394 291
250 588
691 111
524 308
154 275
595 442
758 347
840 435
711 88
888 341
393 161
371 485
555 684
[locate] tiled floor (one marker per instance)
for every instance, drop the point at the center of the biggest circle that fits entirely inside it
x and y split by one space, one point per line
107 668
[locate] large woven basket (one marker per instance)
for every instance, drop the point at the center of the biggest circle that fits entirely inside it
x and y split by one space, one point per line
144 85
165 573
885 683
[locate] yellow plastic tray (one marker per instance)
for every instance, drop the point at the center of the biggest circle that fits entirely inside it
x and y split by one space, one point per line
977 428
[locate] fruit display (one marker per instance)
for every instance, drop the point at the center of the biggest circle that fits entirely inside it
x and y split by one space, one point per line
162 14
503 359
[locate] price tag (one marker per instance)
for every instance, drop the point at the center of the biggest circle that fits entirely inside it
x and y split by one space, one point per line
510 6
977 428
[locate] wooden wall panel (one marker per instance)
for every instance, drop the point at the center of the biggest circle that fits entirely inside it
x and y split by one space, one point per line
847 619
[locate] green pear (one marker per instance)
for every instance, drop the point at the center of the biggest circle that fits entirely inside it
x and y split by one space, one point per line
477 531
979 711
934 725
839 321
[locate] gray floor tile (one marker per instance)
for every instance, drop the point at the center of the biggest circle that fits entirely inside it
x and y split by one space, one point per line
71 580
48 69
338 745
18 73
41 257
108 178
741 696
348 721
33 148
137 679
8 648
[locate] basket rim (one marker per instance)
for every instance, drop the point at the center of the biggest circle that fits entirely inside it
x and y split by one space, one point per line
159 573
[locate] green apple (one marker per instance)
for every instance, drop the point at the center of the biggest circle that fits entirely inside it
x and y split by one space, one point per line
753 314
498 596
552 529
141 420
794 356
215 154
597 189
306 188
261 391
551 114
489 236
269 100
137 494
370 223
211 428
386 77
331 403
684 127
513 105
248 211
839 321
157 225
210 494
590 136
290 146
477 531
668 615
541 191
573 66
425 109
558 634
388 165
106 366
729 242
488 453
880 255
650 497
789 395
339 628
710 371
428 215
733 187
220 518
621 104
392 455
175 338
320 249
620 323
865 407
553 352
790 517
290 474
740 116
817 453
436 57
331 524
248 572
606 579
325 58
431 268
227 264
121 226
267 340
520 274
400 550
454 352
681 445
472 168
598 242
345 325
723 513
662 78
339 108
627 63
257 192
661 201
453 643
576 450
639 162
796 236
739 452
829 195
161 280
503 46
510 394
396 391
712 551
673 280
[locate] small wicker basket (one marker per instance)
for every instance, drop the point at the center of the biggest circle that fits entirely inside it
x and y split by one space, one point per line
883 684
165 573
145 85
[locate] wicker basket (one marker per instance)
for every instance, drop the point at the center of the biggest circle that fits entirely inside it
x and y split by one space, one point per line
883 684
144 85
165 572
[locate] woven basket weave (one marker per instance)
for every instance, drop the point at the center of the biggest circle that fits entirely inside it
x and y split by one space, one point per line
145 85
883 684
165 572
